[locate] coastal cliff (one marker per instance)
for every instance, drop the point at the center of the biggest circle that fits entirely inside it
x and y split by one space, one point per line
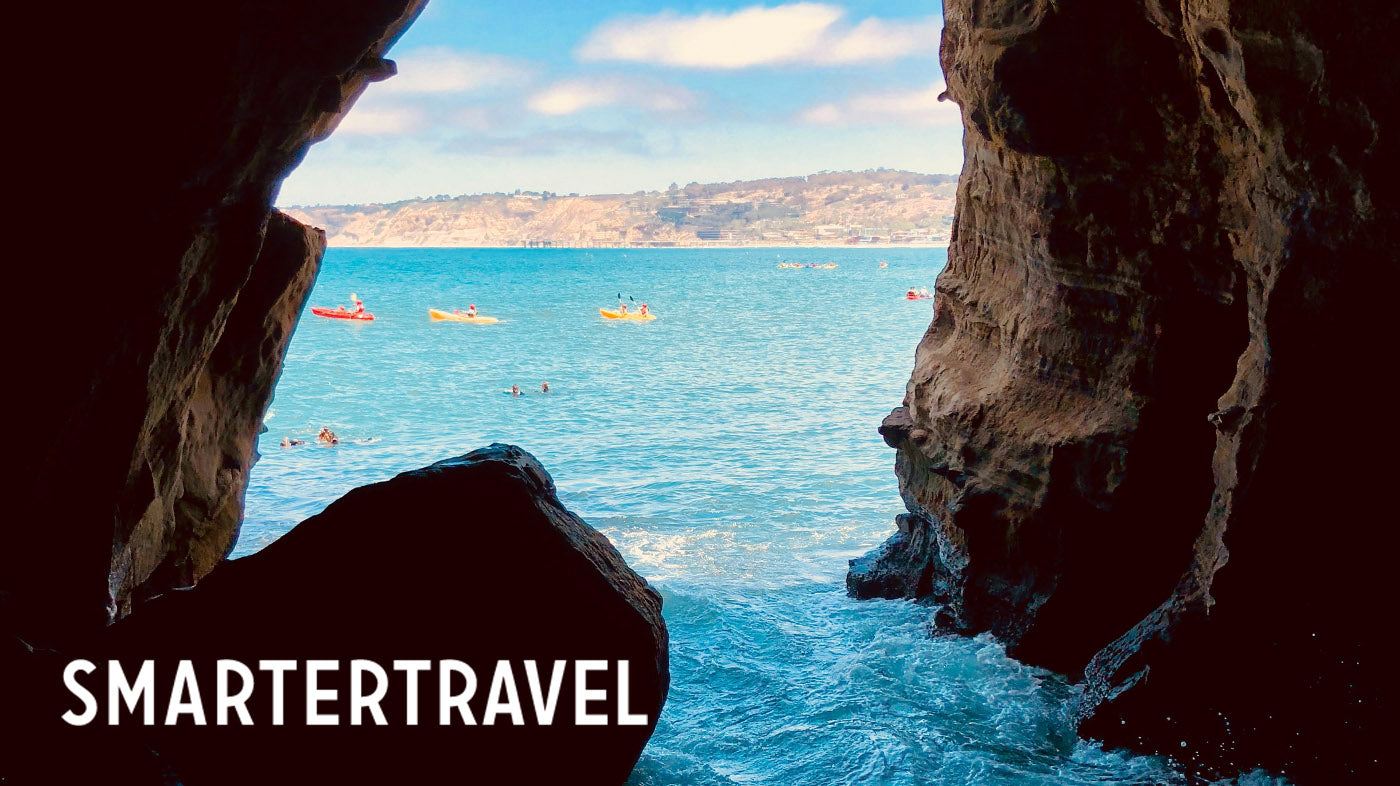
1137 445
885 206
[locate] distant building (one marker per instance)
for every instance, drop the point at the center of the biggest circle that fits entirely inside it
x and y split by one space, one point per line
715 234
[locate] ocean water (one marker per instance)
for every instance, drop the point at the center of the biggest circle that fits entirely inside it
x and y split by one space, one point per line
729 450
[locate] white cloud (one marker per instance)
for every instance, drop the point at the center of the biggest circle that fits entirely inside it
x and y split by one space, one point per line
576 95
913 108
876 41
555 142
380 121
441 70
811 33
436 88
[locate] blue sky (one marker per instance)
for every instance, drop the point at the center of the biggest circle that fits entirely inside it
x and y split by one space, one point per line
620 96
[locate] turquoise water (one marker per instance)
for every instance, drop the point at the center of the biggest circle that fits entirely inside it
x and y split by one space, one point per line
729 450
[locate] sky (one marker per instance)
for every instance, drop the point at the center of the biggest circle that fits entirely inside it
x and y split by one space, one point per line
618 96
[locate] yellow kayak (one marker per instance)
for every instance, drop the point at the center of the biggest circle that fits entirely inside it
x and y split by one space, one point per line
448 316
619 315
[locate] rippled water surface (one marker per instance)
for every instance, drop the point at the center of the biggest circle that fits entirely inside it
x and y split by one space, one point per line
729 450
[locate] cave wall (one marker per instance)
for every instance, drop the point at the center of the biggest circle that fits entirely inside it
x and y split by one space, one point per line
160 323
150 339
1146 439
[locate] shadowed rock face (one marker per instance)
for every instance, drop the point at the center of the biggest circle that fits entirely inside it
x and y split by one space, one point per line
1138 442
188 529
474 559
160 325
158 332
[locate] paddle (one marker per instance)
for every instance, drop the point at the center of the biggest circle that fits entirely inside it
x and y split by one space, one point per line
622 308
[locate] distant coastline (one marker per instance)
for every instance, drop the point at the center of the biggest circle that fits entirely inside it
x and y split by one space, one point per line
872 209
693 247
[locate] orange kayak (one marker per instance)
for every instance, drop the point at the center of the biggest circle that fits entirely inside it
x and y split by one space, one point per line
613 314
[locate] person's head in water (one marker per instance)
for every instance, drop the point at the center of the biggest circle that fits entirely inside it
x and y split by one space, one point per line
544 387
515 390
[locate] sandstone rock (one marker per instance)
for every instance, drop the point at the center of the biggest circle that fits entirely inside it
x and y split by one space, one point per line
187 530
472 558
1175 239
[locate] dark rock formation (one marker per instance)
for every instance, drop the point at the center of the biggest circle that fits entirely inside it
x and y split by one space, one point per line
474 559
158 330
158 326
1142 418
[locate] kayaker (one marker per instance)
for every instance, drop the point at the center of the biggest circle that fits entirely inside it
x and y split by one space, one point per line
622 309
912 293
923 292
544 387
358 305
327 437
644 309
471 310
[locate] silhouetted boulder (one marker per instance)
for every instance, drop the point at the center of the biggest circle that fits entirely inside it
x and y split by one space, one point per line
471 559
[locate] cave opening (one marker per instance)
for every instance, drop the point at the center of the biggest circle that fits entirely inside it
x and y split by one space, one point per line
726 447
1162 264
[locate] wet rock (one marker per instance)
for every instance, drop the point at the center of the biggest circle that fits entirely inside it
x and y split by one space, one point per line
1174 228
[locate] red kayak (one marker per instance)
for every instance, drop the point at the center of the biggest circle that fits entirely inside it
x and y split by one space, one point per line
336 313
908 296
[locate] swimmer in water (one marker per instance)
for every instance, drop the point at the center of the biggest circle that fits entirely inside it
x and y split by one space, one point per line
515 390
327 437
288 442
544 387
